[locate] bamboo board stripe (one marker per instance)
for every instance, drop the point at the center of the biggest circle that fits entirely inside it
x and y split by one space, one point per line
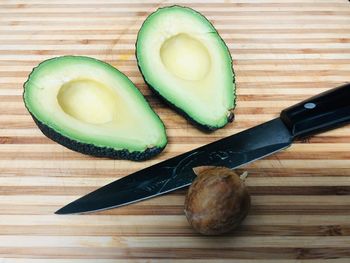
283 52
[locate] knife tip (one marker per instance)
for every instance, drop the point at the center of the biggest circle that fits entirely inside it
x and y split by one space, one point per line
67 209
71 209
61 211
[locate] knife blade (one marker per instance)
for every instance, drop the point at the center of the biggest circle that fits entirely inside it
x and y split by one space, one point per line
322 112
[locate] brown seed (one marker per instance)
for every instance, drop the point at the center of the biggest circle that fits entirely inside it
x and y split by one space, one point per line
217 201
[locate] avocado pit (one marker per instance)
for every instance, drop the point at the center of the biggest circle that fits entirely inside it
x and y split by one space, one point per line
217 201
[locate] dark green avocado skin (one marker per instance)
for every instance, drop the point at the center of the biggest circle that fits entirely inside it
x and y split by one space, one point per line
200 126
94 150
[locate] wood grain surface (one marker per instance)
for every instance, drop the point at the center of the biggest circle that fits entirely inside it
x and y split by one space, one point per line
283 50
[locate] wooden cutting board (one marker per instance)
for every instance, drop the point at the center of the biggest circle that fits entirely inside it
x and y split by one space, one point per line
283 51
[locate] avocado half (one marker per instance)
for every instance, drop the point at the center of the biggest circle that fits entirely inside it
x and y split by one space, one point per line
91 107
184 60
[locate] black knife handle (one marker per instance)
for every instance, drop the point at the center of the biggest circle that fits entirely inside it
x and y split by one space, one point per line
320 113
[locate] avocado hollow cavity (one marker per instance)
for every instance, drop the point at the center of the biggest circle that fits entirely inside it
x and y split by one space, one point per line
186 57
88 100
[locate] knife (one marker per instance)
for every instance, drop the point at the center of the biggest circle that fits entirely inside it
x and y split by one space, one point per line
320 113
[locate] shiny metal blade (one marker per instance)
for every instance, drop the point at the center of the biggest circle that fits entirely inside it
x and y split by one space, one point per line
232 152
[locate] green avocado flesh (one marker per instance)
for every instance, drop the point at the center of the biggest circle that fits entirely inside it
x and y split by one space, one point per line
183 59
91 107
